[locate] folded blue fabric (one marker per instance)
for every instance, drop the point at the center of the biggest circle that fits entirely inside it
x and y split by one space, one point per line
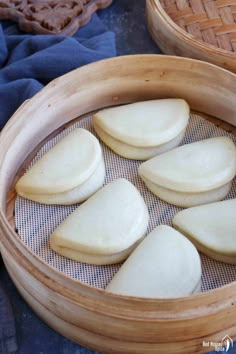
28 62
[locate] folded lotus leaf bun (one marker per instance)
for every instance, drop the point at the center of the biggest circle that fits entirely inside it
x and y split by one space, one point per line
106 228
186 199
134 152
196 167
212 228
69 172
192 174
74 195
165 265
142 130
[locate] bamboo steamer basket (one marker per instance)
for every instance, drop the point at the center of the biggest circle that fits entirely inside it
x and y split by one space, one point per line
90 316
198 29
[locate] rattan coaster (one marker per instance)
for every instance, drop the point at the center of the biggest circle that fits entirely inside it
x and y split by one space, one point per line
50 16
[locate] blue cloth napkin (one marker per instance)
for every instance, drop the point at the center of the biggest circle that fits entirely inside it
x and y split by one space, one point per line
28 62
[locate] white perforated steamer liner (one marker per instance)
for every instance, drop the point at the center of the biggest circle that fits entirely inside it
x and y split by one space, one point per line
35 222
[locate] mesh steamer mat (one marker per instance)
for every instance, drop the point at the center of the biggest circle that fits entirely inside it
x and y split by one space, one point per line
35 222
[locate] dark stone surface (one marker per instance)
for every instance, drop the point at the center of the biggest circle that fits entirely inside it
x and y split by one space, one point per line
127 19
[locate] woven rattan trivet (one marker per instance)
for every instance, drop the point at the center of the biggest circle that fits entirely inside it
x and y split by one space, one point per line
50 16
212 21
35 222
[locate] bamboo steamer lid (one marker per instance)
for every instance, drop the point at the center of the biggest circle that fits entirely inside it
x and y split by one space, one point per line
199 29
88 315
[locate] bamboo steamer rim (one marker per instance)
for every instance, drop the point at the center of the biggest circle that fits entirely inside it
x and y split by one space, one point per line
167 309
184 35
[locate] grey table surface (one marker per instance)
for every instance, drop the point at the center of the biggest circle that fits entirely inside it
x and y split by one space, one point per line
127 19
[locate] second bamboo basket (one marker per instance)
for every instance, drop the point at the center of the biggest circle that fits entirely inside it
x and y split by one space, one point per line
199 29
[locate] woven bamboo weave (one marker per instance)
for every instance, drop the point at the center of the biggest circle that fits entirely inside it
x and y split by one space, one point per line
212 21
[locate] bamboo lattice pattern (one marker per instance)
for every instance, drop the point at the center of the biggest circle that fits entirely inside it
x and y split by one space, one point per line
212 21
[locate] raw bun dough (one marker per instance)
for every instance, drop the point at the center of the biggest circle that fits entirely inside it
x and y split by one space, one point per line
187 200
93 258
193 168
69 173
142 130
106 227
165 265
212 228
75 195
136 153
67 165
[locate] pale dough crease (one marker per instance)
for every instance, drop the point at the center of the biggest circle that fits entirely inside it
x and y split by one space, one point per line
187 200
75 195
136 153
99 259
